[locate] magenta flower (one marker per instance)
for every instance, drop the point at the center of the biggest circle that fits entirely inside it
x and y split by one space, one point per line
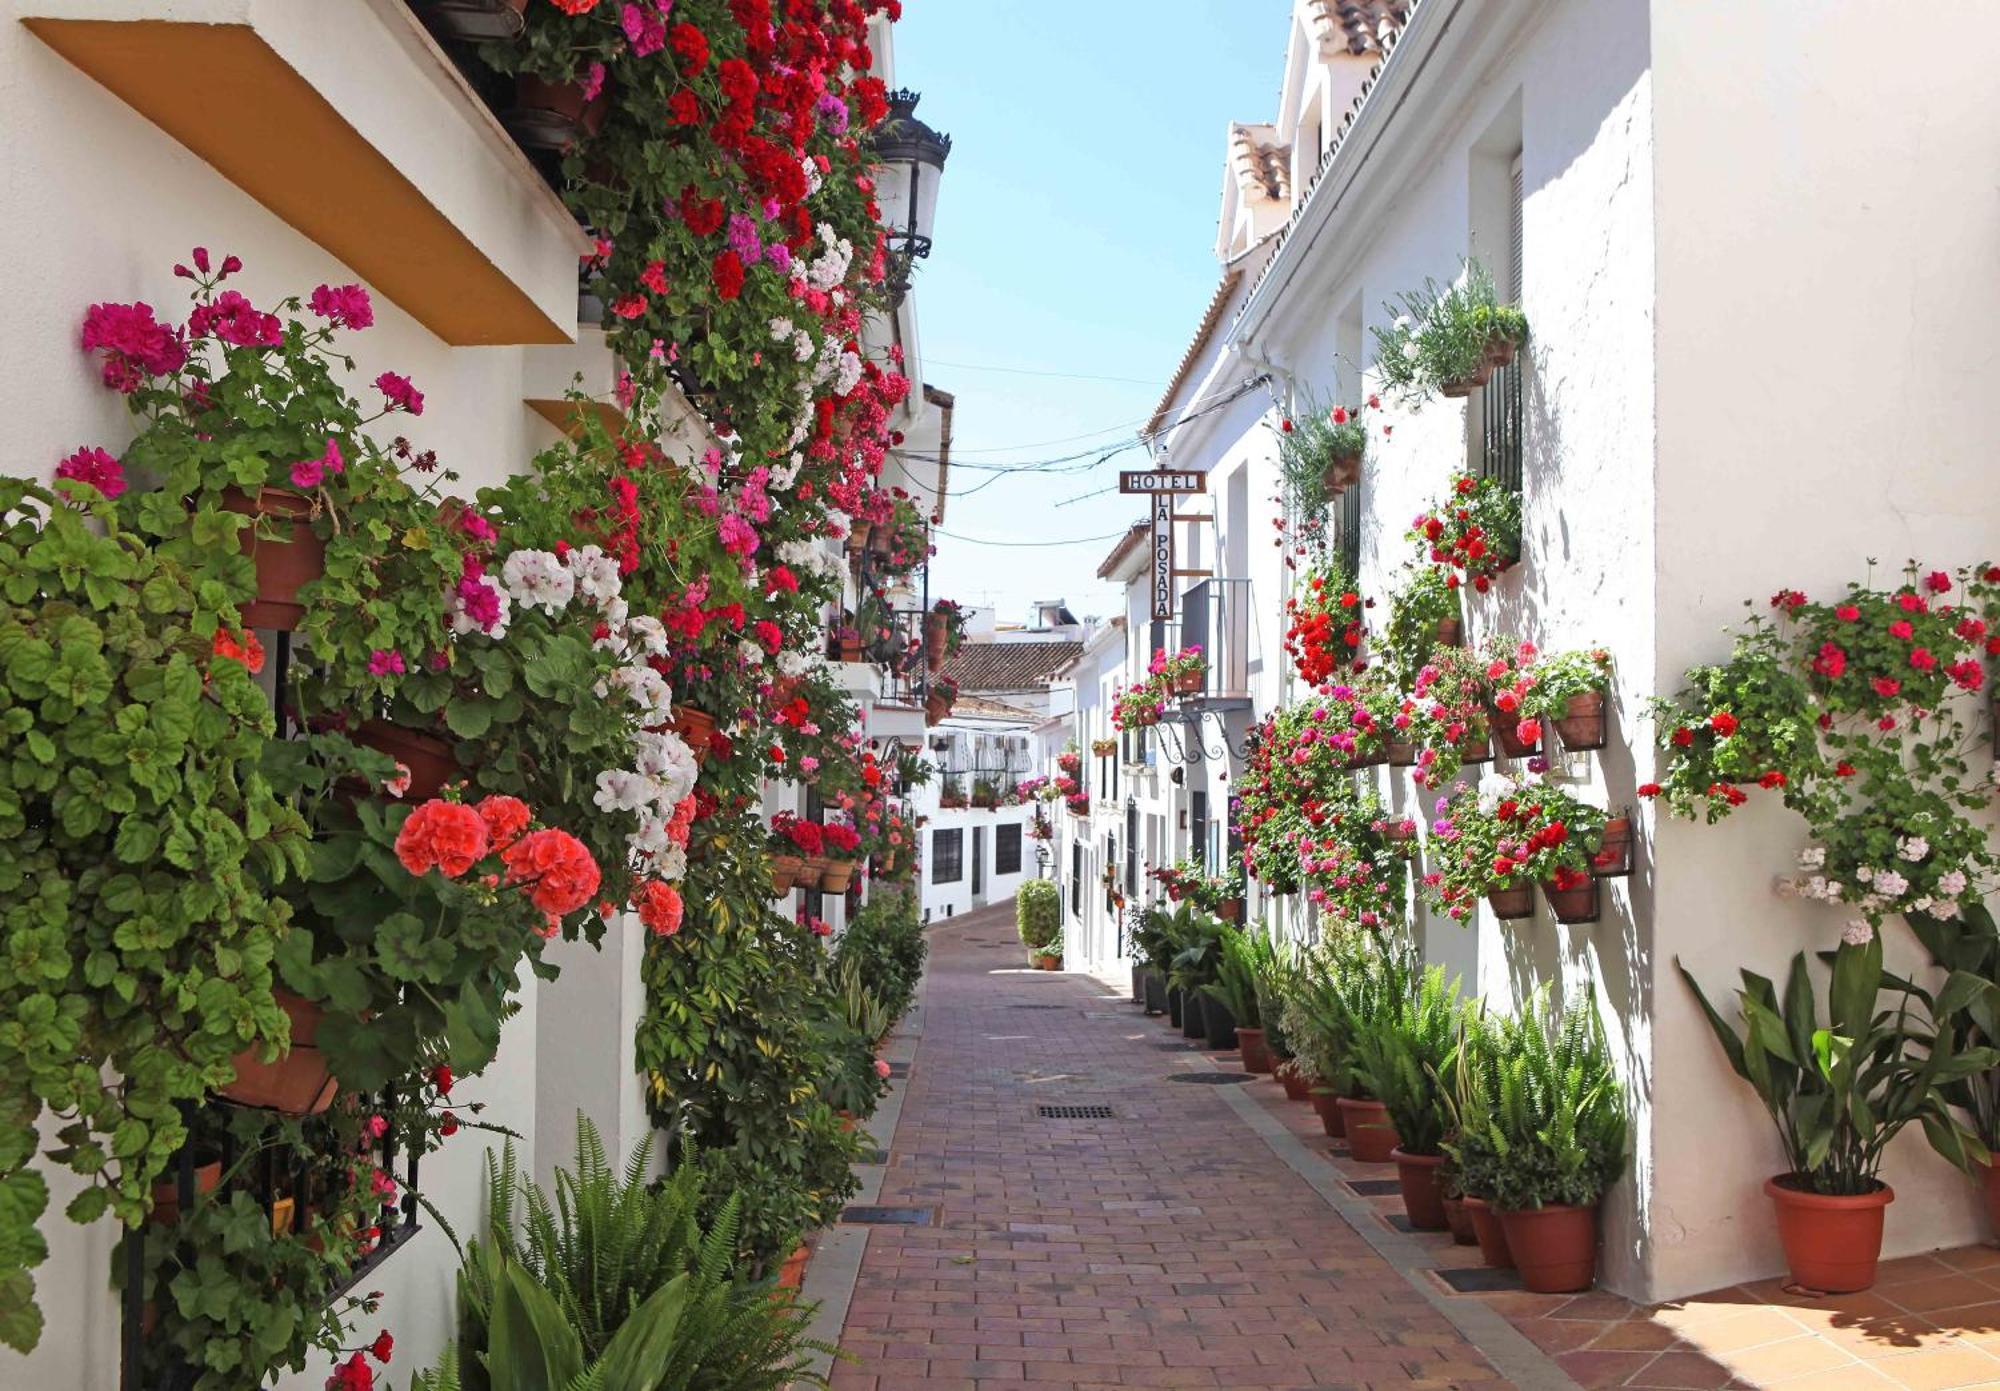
385 661
308 474
346 307
236 321
399 394
593 82
93 466
135 344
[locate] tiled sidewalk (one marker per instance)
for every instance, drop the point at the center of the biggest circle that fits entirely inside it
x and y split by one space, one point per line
1165 1246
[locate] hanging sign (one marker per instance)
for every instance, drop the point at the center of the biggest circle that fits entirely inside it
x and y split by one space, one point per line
1163 555
1156 480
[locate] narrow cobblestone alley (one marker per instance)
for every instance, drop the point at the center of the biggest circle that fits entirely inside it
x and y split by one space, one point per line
1164 1246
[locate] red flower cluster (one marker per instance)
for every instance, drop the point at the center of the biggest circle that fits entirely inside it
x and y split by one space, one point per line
555 867
659 907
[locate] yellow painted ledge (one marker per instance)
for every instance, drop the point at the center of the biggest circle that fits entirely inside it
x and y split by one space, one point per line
565 415
223 92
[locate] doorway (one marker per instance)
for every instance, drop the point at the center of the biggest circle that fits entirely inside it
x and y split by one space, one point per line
978 865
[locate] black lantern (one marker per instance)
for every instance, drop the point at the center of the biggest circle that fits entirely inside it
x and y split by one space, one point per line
909 159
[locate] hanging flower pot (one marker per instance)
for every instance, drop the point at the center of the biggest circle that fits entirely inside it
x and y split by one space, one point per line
1297 1088
1399 830
1613 859
1326 1105
881 542
1402 755
1475 748
1343 471
1464 386
1507 731
1104 748
1459 1219
1555 1247
166 1210
936 635
1189 682
1572 896
837 875
1230 910
1832 1241
785 872
936 707
431 760
1500 352
1489 1233
857 536
472 21
1358 759
1144 718
288 555
1423 1194
1250 1045
1511 901
553 115
1581 725
298 1083
1371 1135
696 728
1450 632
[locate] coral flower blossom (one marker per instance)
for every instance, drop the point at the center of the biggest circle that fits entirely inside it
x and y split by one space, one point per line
444 835
659 907
558 871
505 817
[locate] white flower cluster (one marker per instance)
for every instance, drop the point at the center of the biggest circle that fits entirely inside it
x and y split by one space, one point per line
538 580
800 342
803 556
1494 789
662 775
1876 890
829 268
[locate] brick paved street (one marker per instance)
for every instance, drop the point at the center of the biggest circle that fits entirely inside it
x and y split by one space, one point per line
1166 1246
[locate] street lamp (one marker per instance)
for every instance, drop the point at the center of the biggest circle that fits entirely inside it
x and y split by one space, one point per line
909 159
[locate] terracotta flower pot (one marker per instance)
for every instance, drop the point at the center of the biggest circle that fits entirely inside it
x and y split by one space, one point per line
553 115
847 649
857 536
1459 1218
298 1082
430 760
1500 350
1189 682
936 707
936 635
1250 1044
1400 831
1990 1187
1326 1105
1230 910
696 728
476 20
837 875
1613 859
1450 633
792 1273
1342 472
1831 1241
167 1193
1581 725
1475 748
786 871
1488 1233
1358 759
1371 1135
1507 733
288 556
1047 961
1402 755
1517 901
1297 1088
1578 904
1555 1247
1423 1194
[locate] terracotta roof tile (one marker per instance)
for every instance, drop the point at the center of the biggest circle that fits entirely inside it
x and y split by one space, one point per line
1356 26
1121 552
1008 666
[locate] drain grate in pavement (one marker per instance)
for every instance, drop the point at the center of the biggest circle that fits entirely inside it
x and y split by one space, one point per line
1075 1113
899 1069
1211 1079
1171 1047
1478 1279
1374 1187
888 1216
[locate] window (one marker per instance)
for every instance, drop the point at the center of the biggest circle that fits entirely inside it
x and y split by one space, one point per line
1500 398
947 856
1132 848
1198 828
1076 879
1007 849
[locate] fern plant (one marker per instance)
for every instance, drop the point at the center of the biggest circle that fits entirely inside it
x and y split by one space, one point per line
568 1288
1239 962
1406 1059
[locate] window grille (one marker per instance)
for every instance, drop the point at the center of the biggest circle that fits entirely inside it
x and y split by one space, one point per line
1007 849
1500 399
947 856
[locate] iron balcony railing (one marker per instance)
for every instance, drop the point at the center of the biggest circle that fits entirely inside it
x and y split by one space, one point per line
1500 427
1215 616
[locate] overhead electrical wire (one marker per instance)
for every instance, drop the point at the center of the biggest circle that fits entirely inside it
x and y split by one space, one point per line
1073 541
1039 372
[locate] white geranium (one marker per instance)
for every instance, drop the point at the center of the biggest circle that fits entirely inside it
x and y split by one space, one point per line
1813 857
537 580
1858 933
1890 884
1912 848
596 574
1951 884
621 790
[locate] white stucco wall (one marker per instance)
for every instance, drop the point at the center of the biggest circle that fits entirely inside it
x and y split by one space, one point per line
1829 278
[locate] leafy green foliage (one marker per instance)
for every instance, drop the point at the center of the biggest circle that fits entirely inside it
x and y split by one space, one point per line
1839 1093
1242 959
884 947
1424 600
1038 915
1350 984
1439 337
1405 1059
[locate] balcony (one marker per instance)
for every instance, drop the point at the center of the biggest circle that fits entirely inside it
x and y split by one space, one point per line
1215 616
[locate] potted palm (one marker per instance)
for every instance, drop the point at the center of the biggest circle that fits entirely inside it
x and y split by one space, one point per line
1406 1061
1839 1094
1968 945
1373 982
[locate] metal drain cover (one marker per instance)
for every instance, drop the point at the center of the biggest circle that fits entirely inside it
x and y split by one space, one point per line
888 1216
1211 1079
1075 1113
1374 1187
899 1069
1175 1047
1478 1279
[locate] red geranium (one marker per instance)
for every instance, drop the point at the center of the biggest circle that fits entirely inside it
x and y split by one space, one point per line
560 874
659 907
444 835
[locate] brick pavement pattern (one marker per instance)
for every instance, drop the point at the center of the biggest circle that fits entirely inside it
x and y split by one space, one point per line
1165 1247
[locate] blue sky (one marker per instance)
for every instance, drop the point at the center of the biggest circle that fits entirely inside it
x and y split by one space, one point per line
1075 236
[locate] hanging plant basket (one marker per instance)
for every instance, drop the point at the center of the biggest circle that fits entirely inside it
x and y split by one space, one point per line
936 637
1343 471
936 707
1189 682
1400 830
785 872
837 875
288 556
1576 904
298 1083
1500 352
166 1210
1402 755
696 728
1104 748
553 115
1143 719
881 541
1613 859
1451 632
1581 725
1507 732
1375 759
1459 387
431 760
857 536
473 21
1475 749
1230 910
1512 902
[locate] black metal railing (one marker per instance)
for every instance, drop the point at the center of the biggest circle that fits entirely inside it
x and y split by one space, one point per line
1500 427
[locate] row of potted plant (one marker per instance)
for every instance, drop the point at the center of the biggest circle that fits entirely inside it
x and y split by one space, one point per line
1170 677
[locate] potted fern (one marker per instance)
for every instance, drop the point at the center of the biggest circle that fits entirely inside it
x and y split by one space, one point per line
1406 1060
1239 960
1448 340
